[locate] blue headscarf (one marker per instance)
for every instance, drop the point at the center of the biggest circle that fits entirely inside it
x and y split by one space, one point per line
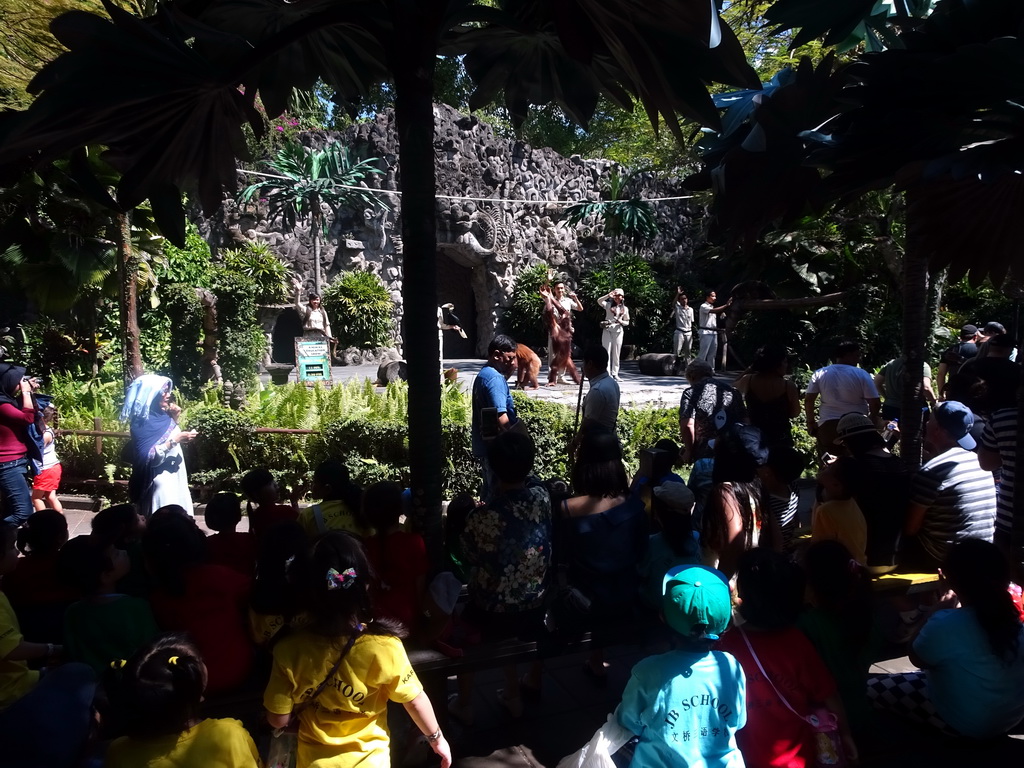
149 426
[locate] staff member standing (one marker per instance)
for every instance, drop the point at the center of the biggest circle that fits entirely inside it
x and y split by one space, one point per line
616 318
682 339
708 325
314 317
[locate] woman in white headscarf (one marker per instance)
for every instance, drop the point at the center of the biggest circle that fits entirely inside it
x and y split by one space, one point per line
616 318
158 465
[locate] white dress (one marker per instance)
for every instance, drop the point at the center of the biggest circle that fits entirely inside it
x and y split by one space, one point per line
170 483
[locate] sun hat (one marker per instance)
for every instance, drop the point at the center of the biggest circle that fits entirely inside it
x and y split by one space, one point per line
854 424
956 419
676 495
696 602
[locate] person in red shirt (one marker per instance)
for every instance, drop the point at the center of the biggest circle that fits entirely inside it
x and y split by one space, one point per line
779 661
192 595
17 412
227 546
398 557
261 491
34 589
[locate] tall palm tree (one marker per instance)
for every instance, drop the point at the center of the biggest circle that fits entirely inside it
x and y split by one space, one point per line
169 96
307 179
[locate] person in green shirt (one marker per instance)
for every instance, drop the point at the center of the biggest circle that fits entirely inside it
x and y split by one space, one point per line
104 626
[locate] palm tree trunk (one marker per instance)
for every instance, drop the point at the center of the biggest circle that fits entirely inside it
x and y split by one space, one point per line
413 68
314 232
128 273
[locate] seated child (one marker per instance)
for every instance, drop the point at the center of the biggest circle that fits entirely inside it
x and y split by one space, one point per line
398 558
121 526
779 660
192 595
837 515
35 590
685 706
839 622
103 625
44 720
676 544
341 505
454 524
780 497
158 699
509 535
227 546
274 600
352 664
263 502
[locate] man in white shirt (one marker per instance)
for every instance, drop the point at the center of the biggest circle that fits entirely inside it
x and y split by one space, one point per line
708 326
682 339
844 388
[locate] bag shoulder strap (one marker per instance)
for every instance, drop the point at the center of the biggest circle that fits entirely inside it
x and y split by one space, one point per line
765 676
334 668
318 515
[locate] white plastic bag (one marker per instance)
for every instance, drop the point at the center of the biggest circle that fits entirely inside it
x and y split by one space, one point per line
597 753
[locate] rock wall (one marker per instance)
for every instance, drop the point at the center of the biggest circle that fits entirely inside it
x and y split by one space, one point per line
501 207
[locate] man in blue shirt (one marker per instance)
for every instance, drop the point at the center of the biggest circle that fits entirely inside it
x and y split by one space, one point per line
493 409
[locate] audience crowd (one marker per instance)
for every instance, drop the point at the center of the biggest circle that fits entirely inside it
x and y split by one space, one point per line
759 631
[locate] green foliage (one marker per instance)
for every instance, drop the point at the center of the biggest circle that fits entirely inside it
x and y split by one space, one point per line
241 342
550 426
965 303
631 218
640 428
305 178
190 265
258 263
185 314
46 347
360 309
523 319
648 301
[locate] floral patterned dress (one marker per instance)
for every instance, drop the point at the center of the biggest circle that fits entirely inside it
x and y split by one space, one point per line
507 546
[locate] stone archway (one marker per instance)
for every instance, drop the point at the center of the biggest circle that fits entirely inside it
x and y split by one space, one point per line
282 340
463 278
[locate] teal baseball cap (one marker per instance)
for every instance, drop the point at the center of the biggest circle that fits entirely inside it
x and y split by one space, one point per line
696 602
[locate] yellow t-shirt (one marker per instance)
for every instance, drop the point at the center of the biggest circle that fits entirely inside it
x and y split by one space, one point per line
337 517
347 723
16 679
210 744
843 521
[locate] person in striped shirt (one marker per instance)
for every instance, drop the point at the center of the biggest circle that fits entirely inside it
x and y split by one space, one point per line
999 451
952 498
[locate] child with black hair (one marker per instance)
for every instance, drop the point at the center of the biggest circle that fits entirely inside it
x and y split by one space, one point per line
33 586
44 718
970 651
398 557
341 502
677 543
787 681
686 706
837 516
455 518
337 674
158 700
274 602
839 621
263 502
779 496
121 526
46 483
103 625
190 594
228 546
